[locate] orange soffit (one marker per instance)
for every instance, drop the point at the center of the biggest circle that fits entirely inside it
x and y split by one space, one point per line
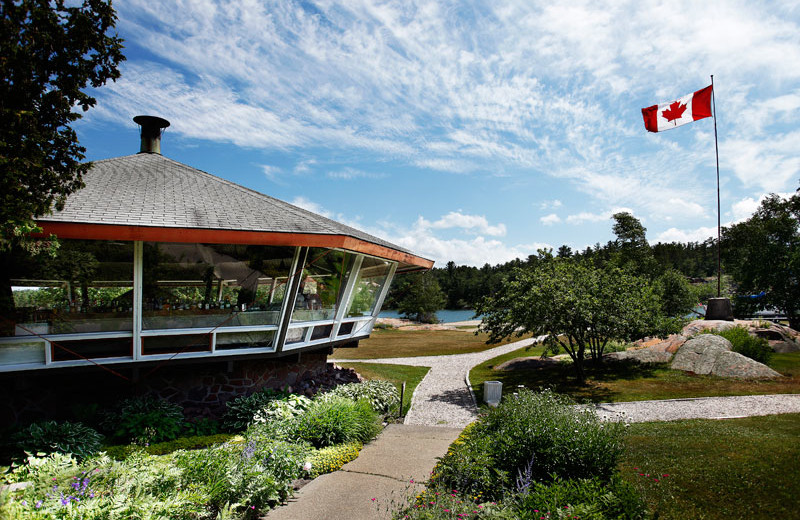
226 236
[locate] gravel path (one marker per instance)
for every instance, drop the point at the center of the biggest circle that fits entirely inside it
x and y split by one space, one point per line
444 397
700 408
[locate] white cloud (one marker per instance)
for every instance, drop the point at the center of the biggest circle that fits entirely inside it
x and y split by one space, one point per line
549 220
352 173
271 172
304 166
686 235
311 206
743 209
585 216
477 224
771 164
507 88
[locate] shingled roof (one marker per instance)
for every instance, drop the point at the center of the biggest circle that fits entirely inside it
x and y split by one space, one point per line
147 190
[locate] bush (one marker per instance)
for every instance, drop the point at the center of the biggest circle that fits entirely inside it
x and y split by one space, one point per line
337 420
562 441
588 499
240 411
332 458
144 420
53 437
579 498
381 395
746 344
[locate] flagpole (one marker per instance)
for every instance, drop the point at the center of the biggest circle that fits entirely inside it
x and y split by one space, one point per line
719 221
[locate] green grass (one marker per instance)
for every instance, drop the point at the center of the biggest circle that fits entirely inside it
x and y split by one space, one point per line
629 381
392 343
395 374
736 468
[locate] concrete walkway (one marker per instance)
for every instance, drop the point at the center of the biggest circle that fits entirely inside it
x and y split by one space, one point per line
377 482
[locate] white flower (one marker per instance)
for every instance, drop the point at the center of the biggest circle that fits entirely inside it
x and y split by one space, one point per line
307 466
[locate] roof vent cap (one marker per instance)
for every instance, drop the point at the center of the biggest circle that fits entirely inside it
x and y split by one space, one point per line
150 128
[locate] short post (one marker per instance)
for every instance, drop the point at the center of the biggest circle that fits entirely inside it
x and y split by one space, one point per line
402 396
492 392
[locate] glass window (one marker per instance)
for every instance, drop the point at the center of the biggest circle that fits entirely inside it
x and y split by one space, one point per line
323 281
86 286
236 340
346 328
295 335
371 279
212 285
94 348
171 344
22 353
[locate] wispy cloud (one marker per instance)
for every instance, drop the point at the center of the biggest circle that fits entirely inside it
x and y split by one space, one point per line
505 90
549 220
352 173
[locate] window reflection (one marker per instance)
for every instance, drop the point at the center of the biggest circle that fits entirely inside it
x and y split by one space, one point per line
86 286
212 285
371 279
323 281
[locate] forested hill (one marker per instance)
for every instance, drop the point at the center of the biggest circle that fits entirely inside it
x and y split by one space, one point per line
464 285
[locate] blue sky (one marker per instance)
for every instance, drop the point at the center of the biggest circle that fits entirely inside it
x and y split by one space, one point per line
468 131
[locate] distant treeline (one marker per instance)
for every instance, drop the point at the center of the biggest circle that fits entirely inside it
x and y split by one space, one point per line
465 285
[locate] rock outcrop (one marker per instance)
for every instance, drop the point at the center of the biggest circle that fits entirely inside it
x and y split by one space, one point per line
709 354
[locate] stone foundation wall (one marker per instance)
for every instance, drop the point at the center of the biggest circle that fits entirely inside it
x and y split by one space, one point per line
202 388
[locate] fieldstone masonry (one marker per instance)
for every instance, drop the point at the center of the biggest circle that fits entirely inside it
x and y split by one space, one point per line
201 388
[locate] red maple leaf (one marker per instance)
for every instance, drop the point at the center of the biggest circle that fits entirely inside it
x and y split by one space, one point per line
675 111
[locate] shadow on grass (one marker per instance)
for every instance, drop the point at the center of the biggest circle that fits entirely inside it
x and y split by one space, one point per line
560 377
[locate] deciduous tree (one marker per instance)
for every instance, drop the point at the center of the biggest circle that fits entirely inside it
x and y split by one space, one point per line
49 54
574 304
422 298
763 254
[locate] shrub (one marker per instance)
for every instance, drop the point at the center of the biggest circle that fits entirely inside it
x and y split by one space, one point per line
746 344
546 428
53 437
144 420
381 395
240 411
337 420
332 458
581 498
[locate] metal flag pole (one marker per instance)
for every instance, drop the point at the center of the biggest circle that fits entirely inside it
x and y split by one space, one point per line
719 221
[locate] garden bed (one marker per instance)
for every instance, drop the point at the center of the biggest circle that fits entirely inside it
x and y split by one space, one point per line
287 439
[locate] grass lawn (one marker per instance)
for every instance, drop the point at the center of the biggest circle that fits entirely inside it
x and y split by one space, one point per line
392 343
394 373
736 468
629 381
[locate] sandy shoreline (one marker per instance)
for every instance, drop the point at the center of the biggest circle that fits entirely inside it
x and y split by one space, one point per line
402 324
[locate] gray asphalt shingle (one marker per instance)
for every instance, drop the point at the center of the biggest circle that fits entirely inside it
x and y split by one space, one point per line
152 190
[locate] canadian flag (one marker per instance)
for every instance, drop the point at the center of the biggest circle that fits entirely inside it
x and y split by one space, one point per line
690 107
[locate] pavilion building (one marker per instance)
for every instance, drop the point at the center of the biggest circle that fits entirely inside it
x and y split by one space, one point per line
173 281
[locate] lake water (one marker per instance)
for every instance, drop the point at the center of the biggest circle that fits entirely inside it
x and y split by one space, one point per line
445 315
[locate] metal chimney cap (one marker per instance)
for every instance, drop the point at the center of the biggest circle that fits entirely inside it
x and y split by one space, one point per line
151 121
151 127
